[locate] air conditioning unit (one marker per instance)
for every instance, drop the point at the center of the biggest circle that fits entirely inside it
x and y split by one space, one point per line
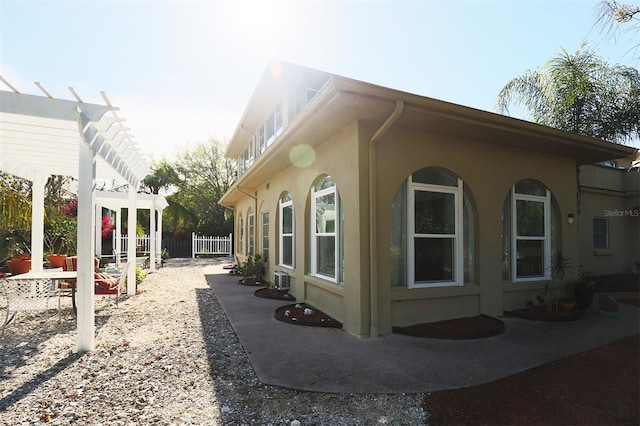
282 281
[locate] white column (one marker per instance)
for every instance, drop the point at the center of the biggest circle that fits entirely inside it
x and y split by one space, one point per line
159 239
37 221
86 243
131 240
152 236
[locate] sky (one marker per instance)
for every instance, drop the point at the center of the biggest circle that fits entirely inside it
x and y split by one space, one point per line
182 72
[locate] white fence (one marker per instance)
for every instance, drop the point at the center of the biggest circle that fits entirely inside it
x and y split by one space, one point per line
201 244
143 244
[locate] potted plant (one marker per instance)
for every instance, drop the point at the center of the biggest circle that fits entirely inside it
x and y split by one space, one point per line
57 260
583 289
559 268
20 264
252 269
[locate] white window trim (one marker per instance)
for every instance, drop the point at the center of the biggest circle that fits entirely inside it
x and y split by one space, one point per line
281 235
265 236
251 228
606 233
458 237
314 234
241 234
546 267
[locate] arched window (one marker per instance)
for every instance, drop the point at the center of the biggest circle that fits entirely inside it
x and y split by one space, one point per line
286 231
241 234
251 235
432 231
326 231
528 232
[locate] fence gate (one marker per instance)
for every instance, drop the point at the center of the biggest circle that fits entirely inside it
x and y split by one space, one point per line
201 244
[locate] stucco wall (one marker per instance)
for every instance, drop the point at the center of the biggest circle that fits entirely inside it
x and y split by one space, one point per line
610 194
339 158
488 171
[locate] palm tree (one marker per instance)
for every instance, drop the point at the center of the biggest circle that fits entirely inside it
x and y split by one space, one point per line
580 93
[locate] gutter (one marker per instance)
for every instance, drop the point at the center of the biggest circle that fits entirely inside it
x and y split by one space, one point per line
374 329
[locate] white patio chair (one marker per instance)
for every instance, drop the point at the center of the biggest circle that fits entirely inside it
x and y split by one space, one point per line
24 295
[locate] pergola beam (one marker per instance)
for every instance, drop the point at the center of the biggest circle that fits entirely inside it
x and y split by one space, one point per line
42 136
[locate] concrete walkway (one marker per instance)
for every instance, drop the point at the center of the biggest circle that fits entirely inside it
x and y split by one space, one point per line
331 360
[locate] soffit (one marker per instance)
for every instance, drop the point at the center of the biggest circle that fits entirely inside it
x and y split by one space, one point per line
343 101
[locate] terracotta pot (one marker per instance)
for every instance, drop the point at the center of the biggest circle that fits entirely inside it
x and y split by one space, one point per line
19 266
57 260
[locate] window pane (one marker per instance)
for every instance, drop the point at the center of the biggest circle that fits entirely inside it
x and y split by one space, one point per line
599 241
530 218
530 258
600 226
265 236
269 129
326 255
326 214
530 187
434 213
287 220
468 226
435 177
325 183
287 250
433 259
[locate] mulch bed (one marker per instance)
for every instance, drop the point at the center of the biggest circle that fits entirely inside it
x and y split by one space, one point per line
273 293
540 313
295 314
456 329
596 387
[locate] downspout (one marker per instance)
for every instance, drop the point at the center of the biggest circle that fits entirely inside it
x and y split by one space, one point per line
373 235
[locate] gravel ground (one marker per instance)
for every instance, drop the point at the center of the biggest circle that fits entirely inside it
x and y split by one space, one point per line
166 356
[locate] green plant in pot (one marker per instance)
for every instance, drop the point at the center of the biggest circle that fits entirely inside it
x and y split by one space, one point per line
253 268
583 289
560 267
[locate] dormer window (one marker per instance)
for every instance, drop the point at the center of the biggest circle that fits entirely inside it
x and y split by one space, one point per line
310 95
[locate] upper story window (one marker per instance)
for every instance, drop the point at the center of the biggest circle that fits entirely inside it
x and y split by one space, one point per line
265 135
310 94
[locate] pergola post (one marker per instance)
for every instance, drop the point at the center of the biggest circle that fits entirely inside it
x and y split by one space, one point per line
152 235
37 221
159 236
131 243
86 223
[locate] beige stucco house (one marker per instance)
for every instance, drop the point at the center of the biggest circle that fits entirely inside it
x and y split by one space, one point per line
385 208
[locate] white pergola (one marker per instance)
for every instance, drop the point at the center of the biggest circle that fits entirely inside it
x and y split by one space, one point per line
42 136
116 201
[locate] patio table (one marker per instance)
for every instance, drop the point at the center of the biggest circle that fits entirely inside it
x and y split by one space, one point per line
32 291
